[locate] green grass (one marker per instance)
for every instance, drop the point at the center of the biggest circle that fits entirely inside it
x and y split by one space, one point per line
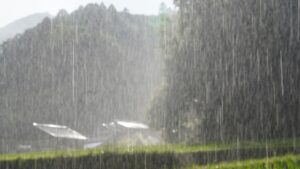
155 149
276 143
113 149
288 162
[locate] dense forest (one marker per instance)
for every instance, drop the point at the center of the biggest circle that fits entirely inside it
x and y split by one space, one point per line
232 72
80 69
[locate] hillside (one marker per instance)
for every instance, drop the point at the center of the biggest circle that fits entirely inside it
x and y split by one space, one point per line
80 69
20 25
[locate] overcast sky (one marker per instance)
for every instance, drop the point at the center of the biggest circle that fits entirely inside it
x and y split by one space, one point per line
11 10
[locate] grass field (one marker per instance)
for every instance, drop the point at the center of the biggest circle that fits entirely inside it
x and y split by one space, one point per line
281 162
168 156
115 150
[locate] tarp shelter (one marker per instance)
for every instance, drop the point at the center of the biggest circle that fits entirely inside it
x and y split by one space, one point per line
132 125
60 131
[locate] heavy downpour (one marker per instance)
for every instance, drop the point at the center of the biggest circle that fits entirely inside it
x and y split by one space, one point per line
160 84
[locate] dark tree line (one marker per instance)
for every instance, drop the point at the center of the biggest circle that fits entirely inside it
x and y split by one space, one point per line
234 72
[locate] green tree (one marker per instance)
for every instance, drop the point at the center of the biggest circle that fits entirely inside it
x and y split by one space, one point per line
234 68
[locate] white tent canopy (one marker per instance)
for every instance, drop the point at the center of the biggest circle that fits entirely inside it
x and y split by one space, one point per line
60 131
125 124
132 125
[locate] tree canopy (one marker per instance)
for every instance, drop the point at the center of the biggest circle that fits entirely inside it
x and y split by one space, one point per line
233 72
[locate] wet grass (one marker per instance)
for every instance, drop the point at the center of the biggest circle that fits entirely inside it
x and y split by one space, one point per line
114 149
177 149
271 144
287 161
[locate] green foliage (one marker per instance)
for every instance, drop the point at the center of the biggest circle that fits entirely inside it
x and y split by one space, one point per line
233 72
